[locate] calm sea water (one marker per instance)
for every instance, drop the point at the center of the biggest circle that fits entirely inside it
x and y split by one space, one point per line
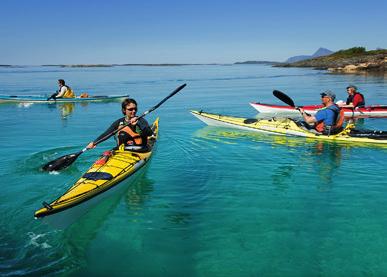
212 201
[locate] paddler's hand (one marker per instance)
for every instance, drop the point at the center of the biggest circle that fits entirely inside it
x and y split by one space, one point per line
91 145
134 121
301 111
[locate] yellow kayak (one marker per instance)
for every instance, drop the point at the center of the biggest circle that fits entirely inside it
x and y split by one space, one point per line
99 181
290 127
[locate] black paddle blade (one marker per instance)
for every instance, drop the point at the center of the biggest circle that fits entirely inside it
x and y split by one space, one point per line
284 98
61 162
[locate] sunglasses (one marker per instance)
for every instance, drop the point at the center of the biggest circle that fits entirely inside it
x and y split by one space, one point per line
131 109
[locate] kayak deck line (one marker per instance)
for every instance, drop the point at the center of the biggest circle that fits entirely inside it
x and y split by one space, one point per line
87 181
81 200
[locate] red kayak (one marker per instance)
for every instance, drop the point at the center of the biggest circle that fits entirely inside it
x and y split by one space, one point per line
367 111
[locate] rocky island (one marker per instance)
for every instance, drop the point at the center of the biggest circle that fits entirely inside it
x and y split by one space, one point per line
353 60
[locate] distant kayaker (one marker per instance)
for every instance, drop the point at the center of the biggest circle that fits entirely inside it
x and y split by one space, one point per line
325 119
355 99
63 92
134 134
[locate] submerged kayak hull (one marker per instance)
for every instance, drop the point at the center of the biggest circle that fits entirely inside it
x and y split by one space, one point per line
368 111
97 183
43 99
282 127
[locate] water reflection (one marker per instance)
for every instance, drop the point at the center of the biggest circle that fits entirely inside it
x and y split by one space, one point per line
316 158
66 109
138 193
328 158
229 136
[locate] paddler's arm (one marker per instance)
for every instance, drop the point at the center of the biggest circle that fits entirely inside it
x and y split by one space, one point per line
61 92
105 135
350 105
310 119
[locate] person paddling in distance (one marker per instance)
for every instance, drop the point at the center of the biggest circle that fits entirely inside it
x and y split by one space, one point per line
355 99
133 131
63 92
327 120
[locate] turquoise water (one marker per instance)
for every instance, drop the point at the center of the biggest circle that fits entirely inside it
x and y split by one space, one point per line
212 201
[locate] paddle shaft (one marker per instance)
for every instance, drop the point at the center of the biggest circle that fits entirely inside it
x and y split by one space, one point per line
141 116
67 160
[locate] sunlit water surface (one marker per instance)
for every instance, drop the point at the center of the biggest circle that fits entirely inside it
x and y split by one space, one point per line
212 201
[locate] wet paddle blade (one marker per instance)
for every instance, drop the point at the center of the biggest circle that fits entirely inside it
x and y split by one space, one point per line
61 162
284 98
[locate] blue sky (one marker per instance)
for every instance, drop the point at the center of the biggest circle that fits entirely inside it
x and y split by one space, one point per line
36 32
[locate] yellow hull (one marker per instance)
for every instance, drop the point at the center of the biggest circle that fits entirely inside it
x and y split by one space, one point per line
281 126
101 179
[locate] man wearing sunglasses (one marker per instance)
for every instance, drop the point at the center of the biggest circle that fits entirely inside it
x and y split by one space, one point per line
135 131
325 119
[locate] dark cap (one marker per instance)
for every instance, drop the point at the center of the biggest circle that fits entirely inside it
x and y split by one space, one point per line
352 86
329 94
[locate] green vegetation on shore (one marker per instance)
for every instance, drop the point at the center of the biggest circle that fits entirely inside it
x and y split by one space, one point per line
350 60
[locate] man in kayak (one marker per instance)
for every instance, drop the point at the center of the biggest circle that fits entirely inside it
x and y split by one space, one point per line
355 99
132 130
325 119
63 92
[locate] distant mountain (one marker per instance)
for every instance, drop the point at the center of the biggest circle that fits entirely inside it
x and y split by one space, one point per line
319 53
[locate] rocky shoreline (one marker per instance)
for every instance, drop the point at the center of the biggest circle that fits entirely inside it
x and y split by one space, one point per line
353 60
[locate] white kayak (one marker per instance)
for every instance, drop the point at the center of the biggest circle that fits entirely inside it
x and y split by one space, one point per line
367 111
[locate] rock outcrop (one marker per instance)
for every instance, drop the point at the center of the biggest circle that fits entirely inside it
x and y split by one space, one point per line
347 61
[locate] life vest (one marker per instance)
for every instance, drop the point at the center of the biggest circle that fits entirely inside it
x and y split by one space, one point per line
351 97
131 137
69 93
339 120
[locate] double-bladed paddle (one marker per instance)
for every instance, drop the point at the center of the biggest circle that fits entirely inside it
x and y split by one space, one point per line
65 161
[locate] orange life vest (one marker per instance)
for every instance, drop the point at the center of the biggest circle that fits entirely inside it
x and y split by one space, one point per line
137 139
320 126
340 119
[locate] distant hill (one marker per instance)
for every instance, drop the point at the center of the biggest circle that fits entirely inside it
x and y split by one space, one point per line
319 53
350 60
